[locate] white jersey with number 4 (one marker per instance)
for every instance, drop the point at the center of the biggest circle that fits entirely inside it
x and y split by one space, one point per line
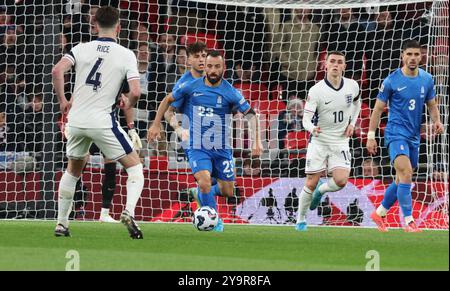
333 108
101 66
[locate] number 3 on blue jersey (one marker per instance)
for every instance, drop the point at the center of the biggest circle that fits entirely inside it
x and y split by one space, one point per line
412 104
94 77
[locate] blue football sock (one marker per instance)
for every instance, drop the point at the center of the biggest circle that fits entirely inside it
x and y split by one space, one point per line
390 196
215 190
208 199
213 181
405 198
199 197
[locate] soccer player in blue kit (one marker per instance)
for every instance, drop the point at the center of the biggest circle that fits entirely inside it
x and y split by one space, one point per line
210 102
196 60
406 90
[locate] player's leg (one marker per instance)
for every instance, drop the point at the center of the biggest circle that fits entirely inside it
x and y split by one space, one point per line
77 149
135 181
315 165
404 169
305 200
379 215
116 145
224 172
201 166
339 162
203 178
223 188
396 149
108 189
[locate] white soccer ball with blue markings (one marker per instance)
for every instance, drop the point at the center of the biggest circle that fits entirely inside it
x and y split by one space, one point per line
205 218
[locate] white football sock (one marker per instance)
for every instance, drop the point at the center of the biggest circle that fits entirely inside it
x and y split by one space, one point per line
66 191
135 183
104 212
305 201
408 219
381 211
329 186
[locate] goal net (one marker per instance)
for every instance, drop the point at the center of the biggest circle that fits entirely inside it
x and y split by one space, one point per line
274 51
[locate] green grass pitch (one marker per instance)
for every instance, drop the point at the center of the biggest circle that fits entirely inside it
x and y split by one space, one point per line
30 245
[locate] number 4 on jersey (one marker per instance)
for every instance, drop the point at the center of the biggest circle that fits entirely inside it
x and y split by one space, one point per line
94 77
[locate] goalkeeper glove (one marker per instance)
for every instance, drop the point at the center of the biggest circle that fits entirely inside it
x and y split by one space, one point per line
132 133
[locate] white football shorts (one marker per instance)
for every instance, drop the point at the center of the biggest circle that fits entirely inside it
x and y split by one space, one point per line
327 157
114 143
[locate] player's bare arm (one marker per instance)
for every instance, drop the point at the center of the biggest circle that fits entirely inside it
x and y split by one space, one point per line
171 117
154 131
371 144
438 127
255 133
58 71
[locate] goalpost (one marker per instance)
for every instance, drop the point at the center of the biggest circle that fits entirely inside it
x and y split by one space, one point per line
274 53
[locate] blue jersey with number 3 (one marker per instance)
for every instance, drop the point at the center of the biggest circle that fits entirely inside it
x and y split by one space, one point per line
209 112
406 97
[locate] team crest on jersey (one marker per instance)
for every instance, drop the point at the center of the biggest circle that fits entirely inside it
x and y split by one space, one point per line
219 101
349 99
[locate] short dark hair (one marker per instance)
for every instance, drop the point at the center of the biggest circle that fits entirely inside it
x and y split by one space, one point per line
196 47
214 54
411 43
338 53
107 16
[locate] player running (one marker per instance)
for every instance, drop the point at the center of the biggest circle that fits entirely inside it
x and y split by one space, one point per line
210 101
335 104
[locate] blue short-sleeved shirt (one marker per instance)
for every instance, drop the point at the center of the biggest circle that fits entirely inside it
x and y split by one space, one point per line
209 112
406 97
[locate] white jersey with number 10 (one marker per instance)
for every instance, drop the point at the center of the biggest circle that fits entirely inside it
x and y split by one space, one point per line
333 108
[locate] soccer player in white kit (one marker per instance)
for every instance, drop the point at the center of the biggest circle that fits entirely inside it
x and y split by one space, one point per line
101 66
334 103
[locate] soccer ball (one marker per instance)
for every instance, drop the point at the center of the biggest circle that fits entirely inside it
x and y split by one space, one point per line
205 218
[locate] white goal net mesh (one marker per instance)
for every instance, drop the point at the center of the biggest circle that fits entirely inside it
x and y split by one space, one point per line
274 52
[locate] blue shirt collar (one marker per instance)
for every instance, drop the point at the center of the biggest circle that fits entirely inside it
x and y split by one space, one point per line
106 39
332 87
